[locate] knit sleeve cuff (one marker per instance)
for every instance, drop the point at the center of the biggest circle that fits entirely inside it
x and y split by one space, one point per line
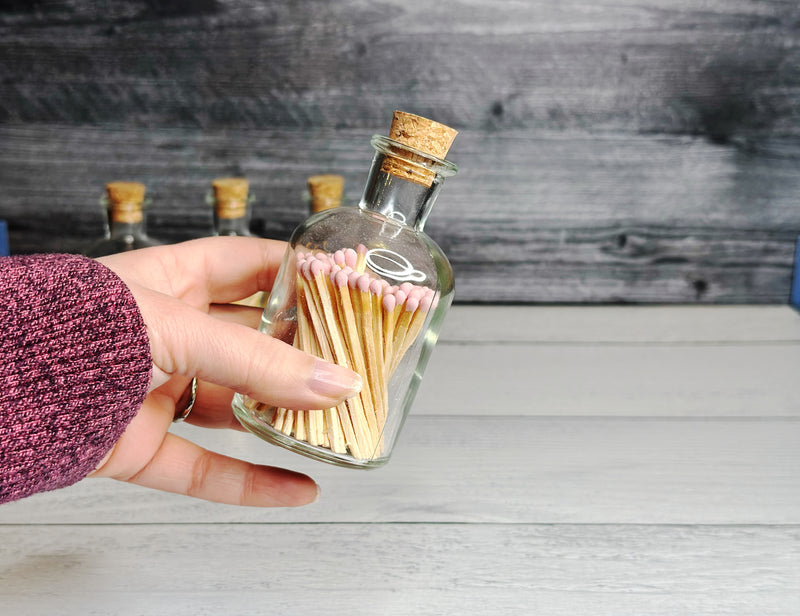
75 366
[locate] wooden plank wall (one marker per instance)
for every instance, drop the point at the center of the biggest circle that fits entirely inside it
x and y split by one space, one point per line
610 151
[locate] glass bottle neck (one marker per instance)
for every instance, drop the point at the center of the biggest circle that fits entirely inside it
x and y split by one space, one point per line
231 226
399 199
403 183
119 230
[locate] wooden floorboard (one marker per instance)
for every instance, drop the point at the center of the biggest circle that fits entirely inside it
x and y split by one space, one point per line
654 361
394 569
726 325
651 380
500 469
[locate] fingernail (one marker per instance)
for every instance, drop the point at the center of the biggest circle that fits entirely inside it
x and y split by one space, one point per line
335 381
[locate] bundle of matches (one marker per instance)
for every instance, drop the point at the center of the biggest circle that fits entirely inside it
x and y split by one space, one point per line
348 316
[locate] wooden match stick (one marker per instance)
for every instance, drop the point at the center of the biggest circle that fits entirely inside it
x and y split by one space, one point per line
362 297
426 302
415 312
361 261
307 341
347 323
409 306
393 301
376 290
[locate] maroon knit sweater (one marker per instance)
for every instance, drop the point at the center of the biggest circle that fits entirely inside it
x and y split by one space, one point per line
75 366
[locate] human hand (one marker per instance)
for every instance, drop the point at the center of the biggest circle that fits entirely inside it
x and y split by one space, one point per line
183 292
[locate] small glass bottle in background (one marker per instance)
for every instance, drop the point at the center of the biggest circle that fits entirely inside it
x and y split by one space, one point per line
231 198
325 192
366 288
125 227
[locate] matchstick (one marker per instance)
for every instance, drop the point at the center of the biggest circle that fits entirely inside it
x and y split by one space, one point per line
347 323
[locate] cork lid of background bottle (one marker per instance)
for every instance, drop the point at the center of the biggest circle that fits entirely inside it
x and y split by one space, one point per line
326 191
125 201
421 134
230 197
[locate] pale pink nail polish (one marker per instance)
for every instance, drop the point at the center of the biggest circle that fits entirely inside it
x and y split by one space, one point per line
334 381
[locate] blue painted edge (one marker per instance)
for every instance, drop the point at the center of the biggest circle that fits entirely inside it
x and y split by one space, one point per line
4 249
794 298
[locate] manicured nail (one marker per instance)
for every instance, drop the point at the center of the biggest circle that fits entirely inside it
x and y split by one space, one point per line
335 381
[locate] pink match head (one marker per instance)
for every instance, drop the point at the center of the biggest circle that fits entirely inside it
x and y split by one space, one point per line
412 303
364 282
339 279
352 278
377 286
305 268
389 302
350 257
400 297
416 292
338 257
407 287
319 267
426 301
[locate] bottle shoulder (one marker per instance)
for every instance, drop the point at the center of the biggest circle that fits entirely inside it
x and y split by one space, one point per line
395 251
113 245
239 233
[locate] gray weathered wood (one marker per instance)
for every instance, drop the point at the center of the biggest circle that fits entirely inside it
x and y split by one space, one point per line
529 379
732 361
724 69
399 569
636 152
622 325
509 239
457 469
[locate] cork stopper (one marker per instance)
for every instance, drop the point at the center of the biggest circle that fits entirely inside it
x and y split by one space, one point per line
125 201
422 134
326 191
230 197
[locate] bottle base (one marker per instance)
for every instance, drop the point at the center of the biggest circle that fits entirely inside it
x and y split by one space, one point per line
266 432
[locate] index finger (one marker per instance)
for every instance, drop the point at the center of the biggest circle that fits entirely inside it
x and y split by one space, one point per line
186 341
206 270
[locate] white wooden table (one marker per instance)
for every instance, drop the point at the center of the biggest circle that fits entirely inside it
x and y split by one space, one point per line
559 460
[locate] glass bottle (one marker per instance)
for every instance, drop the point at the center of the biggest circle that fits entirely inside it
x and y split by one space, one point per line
125 227
231 201
364 287
325 191
231 198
